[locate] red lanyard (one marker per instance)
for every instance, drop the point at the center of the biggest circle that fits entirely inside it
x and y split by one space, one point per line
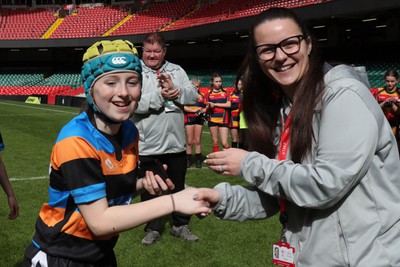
283 150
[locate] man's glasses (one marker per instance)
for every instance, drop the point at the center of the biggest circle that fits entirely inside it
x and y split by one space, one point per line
289 46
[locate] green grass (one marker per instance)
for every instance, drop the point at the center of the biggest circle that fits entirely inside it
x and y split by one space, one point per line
29 132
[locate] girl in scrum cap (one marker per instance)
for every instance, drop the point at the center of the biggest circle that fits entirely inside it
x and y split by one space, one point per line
94 169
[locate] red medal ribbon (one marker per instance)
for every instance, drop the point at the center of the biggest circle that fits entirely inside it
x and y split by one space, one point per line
284 143
285 256
283 150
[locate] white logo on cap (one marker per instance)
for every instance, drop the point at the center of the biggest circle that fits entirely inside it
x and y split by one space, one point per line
118 60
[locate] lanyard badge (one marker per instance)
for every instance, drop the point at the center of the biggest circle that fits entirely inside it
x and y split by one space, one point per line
282 252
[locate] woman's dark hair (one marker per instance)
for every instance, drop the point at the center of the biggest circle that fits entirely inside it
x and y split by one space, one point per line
391 72
262 97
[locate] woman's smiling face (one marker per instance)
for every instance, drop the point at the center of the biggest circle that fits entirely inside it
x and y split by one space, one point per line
286 70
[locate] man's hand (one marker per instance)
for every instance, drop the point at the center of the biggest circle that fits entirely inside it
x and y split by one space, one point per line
170 94
168 91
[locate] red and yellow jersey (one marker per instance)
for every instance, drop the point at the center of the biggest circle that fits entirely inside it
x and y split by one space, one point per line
236 107
86 165
200 103
381 95
218 115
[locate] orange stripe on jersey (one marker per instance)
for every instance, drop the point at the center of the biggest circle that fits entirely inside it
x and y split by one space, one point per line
127 164
77 226
67 150
50 215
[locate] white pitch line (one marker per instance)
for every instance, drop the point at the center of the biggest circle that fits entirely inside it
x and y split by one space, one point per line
47 177
29 178
32 115
48 109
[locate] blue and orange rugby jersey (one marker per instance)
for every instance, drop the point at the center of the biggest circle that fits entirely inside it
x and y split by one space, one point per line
86 165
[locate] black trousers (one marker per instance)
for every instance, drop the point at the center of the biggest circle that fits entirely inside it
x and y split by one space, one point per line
176 172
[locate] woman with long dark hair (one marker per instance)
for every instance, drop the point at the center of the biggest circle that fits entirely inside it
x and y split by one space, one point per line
322 154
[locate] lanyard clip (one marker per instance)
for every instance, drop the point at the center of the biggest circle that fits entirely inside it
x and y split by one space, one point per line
283 235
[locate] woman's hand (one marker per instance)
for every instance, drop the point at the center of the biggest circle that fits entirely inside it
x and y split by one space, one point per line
226 162
211 196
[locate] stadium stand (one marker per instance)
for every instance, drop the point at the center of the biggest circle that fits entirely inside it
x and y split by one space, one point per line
157 16
223 10
96 20
24 23
376 70
89 22
228 77
67 84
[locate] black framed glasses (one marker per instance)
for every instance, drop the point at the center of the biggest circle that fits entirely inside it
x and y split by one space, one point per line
289 46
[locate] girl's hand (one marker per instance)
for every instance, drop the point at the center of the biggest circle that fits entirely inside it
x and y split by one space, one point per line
394 106
155 185
188 202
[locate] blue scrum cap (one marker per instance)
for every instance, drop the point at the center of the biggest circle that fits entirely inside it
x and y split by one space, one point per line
108 56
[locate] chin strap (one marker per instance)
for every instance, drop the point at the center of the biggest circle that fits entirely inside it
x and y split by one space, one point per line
101 115
105 118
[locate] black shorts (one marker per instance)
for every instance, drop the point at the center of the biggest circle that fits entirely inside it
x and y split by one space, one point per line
197 121
213 124
35 257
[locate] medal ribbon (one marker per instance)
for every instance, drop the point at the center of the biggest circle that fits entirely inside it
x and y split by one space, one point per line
283 150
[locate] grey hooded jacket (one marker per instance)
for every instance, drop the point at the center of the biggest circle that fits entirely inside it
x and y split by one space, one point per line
343 202
160 124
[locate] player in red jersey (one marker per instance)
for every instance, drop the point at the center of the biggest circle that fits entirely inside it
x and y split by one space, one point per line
388 98
236 107
194 122
218 103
